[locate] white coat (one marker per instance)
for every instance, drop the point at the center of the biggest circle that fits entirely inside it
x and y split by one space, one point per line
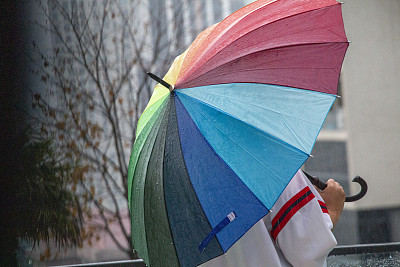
297 232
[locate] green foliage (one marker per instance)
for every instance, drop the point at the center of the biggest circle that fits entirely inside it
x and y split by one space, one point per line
40 206
46 203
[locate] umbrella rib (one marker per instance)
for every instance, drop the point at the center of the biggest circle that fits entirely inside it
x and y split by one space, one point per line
171 105
260 51
296 32
272 22
164 115
300 140
139 151
284 69
261 107
253 69
230 115
148 110
225 30
157 125
277 112
266 167
224 162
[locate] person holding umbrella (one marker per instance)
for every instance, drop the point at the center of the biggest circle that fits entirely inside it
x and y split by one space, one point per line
223 137
297 231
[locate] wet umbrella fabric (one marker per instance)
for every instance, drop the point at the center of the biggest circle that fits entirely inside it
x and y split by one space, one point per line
213 154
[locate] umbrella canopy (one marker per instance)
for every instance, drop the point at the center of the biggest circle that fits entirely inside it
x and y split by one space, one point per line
215 150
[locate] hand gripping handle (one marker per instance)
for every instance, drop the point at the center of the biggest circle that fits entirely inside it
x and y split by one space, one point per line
321 185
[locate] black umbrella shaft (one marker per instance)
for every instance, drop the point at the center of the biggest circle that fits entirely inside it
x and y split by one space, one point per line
321 185
316 181
160 81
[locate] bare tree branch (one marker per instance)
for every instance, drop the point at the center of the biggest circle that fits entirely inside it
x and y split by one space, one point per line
94 90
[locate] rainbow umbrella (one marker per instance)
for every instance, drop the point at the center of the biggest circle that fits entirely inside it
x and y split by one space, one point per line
229 125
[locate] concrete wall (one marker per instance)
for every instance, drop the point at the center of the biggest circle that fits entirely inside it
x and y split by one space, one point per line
371 89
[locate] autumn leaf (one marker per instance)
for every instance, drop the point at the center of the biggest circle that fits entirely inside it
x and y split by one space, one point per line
52 113
92 189
66 89
47 253
60 125
37 96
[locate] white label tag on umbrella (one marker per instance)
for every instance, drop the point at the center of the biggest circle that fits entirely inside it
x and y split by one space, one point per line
231 216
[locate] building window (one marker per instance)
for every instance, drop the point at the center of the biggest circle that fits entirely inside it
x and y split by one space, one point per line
334 119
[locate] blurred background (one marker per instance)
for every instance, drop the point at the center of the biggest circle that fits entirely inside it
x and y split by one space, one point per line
74 85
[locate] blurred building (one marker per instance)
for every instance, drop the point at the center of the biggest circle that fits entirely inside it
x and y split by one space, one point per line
363 138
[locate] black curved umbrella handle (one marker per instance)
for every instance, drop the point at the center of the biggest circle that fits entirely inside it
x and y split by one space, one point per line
363 191
321 185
